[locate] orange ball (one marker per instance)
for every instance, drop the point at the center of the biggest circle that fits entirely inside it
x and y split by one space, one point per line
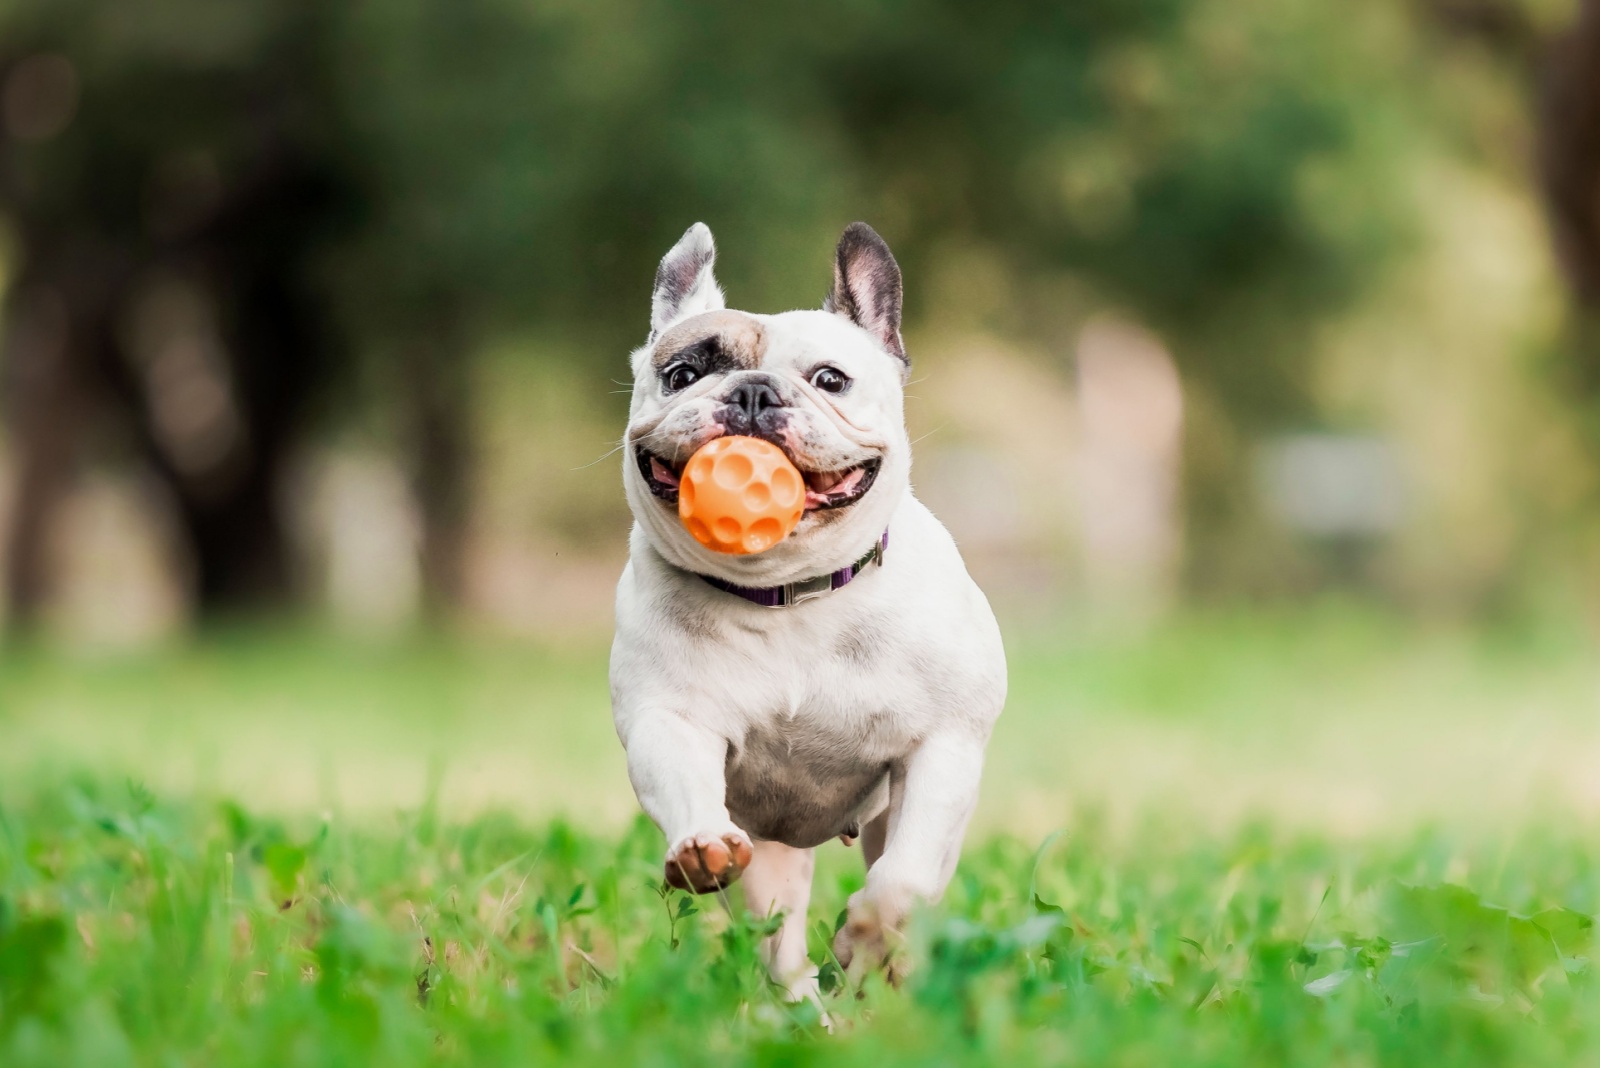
740 495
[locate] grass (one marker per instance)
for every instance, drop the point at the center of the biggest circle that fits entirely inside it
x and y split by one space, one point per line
427 854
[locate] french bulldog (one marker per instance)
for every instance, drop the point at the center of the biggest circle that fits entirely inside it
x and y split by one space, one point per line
841 684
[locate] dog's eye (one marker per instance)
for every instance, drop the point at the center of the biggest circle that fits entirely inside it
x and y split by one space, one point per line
678 377
830 380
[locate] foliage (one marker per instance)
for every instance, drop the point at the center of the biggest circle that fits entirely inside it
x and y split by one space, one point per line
348 206
138 931
1210 165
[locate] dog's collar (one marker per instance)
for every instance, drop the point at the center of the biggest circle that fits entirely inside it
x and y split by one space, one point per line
792 593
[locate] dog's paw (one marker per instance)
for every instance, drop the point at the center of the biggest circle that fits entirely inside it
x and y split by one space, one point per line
702 863
869 941
807 989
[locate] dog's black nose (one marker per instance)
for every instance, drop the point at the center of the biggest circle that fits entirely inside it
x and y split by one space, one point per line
752 397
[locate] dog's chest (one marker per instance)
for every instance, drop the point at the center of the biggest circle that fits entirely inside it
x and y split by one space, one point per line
805 777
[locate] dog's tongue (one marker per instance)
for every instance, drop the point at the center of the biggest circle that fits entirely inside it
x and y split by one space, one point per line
662 473
821 491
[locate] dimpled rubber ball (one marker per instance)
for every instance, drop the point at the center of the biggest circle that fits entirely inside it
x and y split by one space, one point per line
740 495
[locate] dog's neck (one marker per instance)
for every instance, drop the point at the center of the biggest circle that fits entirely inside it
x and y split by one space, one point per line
798 592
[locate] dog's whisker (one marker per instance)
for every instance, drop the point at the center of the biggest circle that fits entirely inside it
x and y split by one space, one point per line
643 439
609 454
602 459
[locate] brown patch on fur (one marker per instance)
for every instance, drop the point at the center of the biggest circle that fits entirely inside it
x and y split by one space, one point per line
696 625
735 334
856 644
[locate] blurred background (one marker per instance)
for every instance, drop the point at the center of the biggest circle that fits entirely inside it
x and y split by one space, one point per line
1218 310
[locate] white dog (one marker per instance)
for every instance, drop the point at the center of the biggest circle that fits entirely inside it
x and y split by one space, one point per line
842 683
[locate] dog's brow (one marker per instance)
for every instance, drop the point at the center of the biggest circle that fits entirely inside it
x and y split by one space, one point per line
707 354
727 340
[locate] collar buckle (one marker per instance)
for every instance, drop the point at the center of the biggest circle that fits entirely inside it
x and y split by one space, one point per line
806 589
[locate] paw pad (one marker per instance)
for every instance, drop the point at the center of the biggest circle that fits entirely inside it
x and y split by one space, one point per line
704 863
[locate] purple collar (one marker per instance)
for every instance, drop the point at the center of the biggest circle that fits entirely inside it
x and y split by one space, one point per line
792 593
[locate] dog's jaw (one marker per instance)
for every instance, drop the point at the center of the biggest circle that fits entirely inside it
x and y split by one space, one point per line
825 540
825 490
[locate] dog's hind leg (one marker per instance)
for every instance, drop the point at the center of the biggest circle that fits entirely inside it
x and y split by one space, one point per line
779 881
874 836
875 822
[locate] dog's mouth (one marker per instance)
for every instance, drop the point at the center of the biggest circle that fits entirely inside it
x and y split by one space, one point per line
824 489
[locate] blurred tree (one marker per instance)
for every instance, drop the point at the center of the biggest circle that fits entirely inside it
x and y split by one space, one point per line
1569 156
169 177
207 197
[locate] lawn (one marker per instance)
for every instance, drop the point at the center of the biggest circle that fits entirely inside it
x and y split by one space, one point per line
1320 837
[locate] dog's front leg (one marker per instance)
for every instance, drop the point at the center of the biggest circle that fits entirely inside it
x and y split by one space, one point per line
677 770
930 801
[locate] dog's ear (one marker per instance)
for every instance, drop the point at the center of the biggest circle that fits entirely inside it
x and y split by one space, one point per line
866 286
685 285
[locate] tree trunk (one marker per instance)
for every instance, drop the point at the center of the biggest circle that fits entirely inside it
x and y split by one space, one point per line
1569 160
438 391
280 345
44 410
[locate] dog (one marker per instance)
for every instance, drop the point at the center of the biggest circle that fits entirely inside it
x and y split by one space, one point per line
843 683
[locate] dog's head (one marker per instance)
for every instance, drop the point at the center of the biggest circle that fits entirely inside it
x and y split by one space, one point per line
824 386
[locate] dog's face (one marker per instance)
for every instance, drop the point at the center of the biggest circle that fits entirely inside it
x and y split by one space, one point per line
824 386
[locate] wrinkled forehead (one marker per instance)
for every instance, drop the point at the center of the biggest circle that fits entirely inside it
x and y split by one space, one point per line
725 340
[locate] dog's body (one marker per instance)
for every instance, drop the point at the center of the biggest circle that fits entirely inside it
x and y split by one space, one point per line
754 734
